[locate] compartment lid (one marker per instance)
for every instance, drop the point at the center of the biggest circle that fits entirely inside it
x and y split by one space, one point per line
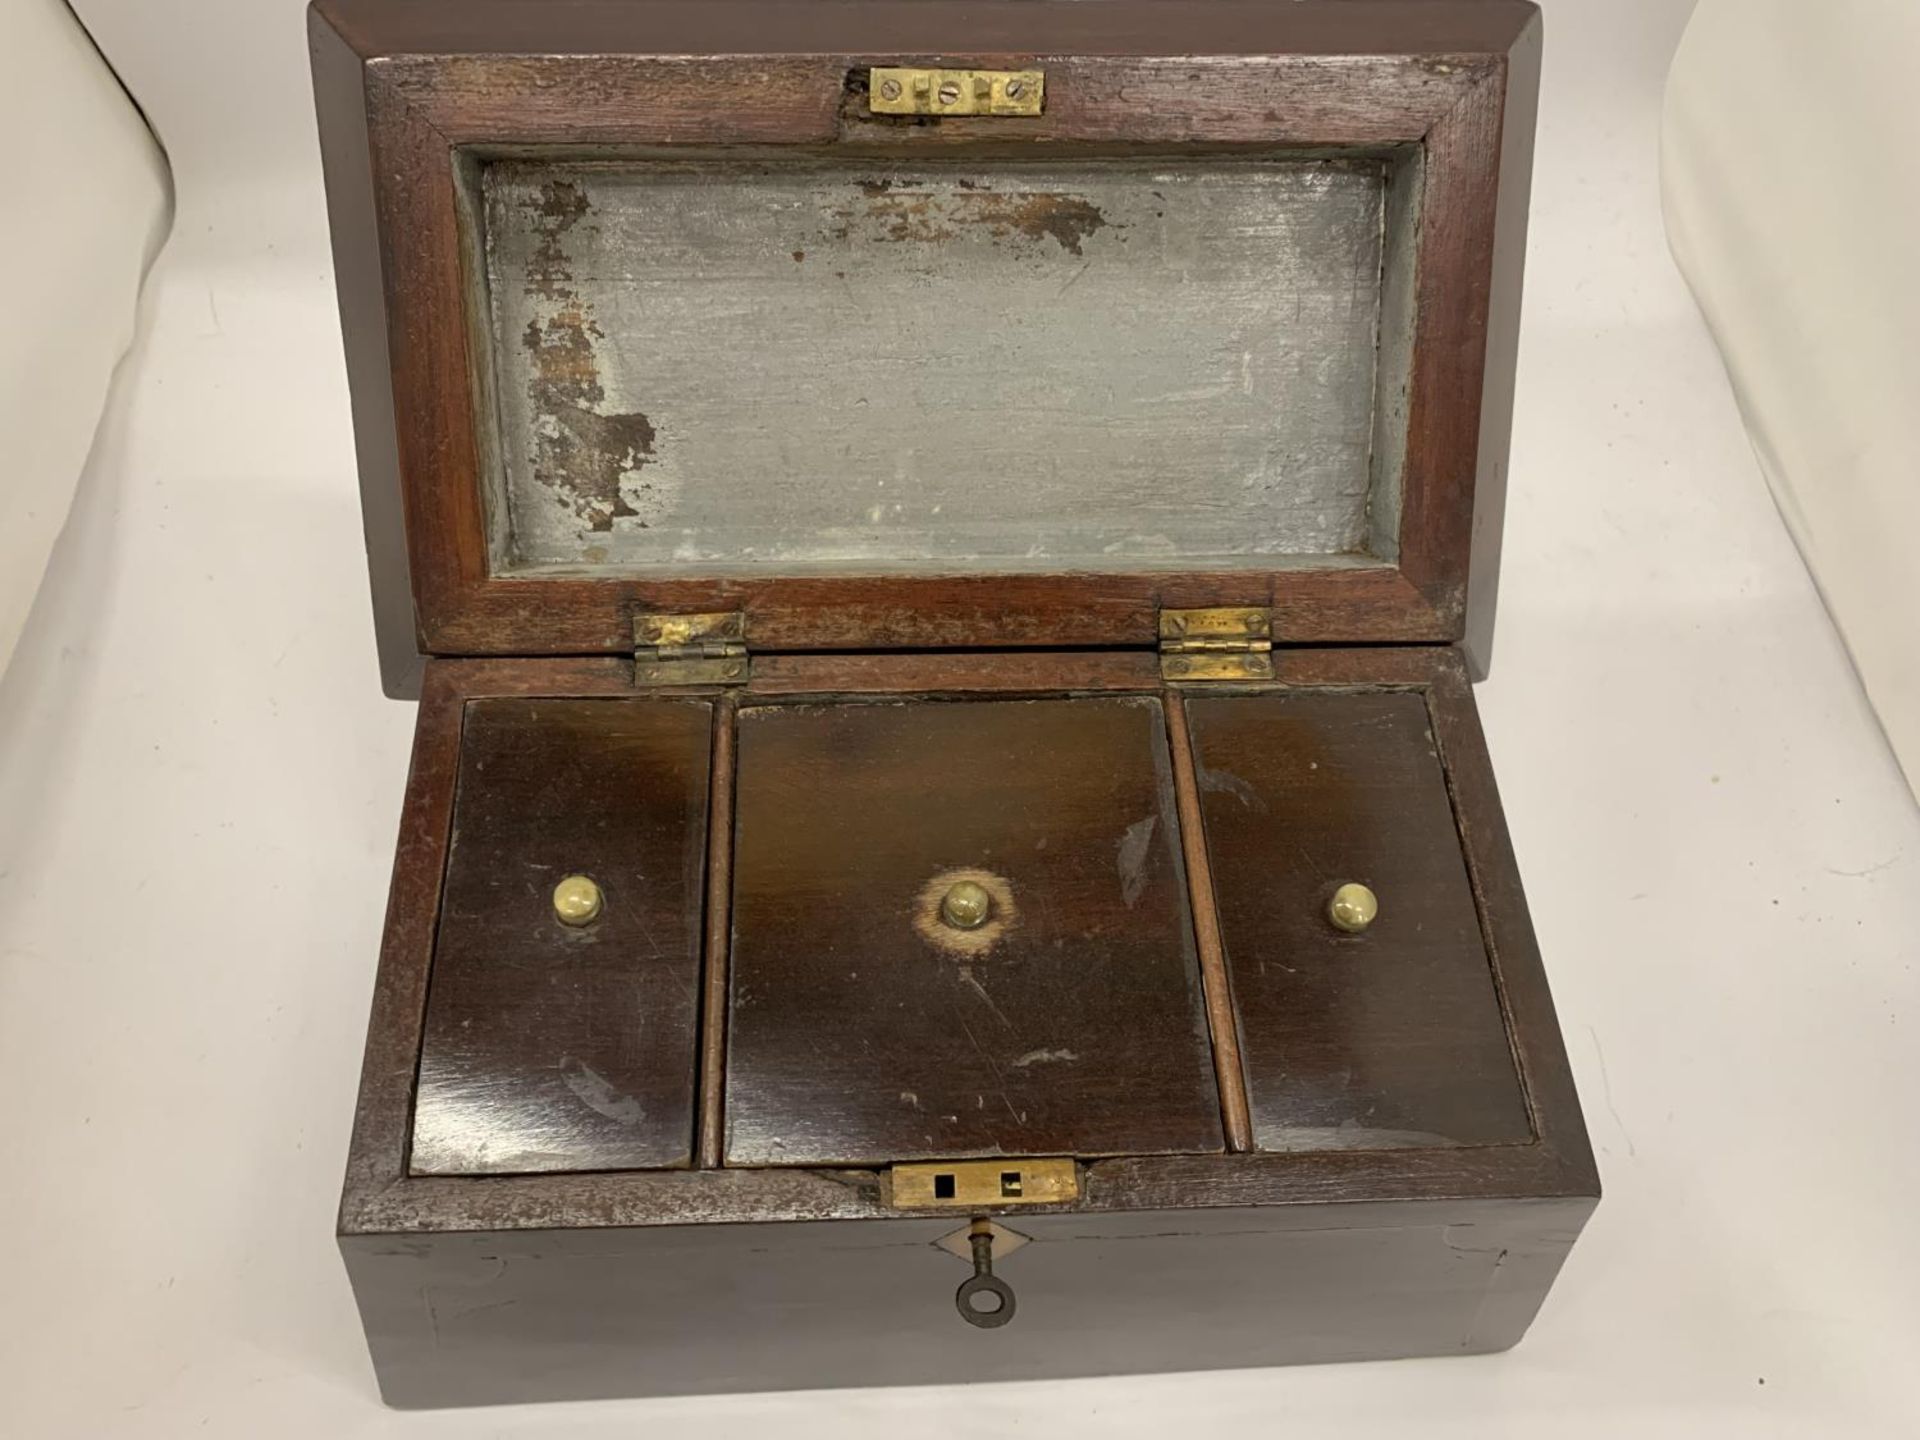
638 323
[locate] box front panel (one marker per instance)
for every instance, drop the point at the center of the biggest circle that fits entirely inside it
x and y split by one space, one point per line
961 929
490 1317
551 1045
1386 1036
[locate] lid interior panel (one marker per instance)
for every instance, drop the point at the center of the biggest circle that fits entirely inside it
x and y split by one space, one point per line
720 366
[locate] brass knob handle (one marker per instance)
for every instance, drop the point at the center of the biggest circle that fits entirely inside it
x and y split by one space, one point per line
577 901
1353 908
967 906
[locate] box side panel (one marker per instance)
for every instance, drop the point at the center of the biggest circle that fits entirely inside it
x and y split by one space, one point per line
481 1318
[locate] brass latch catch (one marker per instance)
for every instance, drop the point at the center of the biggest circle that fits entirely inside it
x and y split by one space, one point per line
690 649
909 90
984 1184
1224 643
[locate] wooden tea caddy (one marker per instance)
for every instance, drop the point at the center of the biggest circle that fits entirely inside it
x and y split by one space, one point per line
947 542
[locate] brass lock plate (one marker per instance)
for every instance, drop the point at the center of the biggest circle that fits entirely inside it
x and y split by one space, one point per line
911 90
981 1184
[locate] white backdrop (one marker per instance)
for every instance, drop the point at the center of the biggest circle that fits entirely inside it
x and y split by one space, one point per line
93 164
199 785
1797 225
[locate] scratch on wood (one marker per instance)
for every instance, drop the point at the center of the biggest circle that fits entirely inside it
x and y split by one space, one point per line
1136 846
1045 1057
600 1094
1224 782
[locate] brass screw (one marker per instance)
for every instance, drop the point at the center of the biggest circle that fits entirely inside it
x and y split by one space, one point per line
890 89
1353 908
950 92
577 901
966 906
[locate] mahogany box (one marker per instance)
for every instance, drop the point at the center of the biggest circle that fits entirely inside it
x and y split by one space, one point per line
940 547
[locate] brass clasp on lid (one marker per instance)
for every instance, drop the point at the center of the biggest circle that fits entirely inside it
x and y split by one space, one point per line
913 90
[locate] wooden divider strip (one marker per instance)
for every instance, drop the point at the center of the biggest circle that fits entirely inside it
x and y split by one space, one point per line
713 1007
1228 1071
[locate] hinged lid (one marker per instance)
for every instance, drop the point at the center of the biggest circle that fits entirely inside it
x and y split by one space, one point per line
1206 303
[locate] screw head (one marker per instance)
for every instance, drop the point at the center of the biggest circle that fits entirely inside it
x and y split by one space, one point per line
1016 88
967 906
949 92
1353 908
577 901
890 89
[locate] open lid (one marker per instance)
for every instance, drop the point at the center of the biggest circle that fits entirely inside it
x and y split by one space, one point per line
1216 308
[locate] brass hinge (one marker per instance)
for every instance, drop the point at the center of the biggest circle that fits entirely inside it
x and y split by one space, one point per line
1231 643
690 649
911 90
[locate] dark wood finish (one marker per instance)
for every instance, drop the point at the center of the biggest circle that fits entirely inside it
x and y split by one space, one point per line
1389 1038
1266 1258
1037 672
440 76
1222 1022
865 1031
340 97
551 1047
381 1198
638 1199
1504 922
383 1114
1150 28
618 1281
719 927
569 1314
1508 261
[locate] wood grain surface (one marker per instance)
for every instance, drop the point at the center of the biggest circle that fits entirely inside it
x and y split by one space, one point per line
549 1047
865 1032
1389 1038
382 1198
1223 1021
718 937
